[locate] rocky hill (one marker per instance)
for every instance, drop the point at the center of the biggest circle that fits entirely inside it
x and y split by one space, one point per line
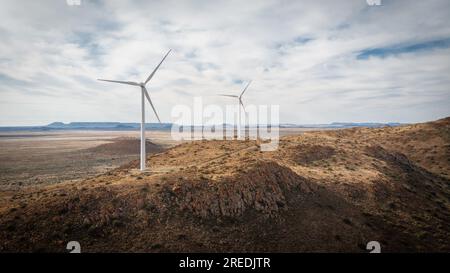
328 191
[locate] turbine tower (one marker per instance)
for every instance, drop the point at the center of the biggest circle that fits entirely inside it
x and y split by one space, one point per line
240 104
144 93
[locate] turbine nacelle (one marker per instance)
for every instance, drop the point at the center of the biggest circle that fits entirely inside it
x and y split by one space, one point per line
238 97
143 84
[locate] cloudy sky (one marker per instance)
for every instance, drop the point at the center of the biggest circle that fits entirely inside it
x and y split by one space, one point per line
321 61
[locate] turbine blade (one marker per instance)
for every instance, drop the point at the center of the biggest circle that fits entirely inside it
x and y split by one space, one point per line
154 71
245 89
231 96
122 82
243 107
150 101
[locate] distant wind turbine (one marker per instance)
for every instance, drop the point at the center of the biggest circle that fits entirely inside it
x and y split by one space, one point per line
240 104
144 92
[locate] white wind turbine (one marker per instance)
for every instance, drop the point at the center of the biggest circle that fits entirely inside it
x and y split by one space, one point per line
144 92
240 104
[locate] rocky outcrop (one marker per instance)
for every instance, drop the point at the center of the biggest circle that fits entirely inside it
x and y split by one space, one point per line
262 188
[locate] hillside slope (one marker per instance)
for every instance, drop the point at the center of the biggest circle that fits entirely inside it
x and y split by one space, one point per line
330 191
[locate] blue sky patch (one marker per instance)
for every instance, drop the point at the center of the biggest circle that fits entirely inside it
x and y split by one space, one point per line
383 52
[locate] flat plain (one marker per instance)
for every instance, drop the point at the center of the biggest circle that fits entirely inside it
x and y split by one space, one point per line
40 158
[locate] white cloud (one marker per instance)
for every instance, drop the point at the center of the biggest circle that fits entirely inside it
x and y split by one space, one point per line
299 54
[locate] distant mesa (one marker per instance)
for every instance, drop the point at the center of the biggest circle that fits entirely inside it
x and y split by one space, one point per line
337 125
167 126
56 125
106 126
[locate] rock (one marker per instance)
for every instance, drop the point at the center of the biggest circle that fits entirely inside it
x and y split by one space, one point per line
261 188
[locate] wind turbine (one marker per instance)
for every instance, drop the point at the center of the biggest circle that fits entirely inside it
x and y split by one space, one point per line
144 93
240 104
